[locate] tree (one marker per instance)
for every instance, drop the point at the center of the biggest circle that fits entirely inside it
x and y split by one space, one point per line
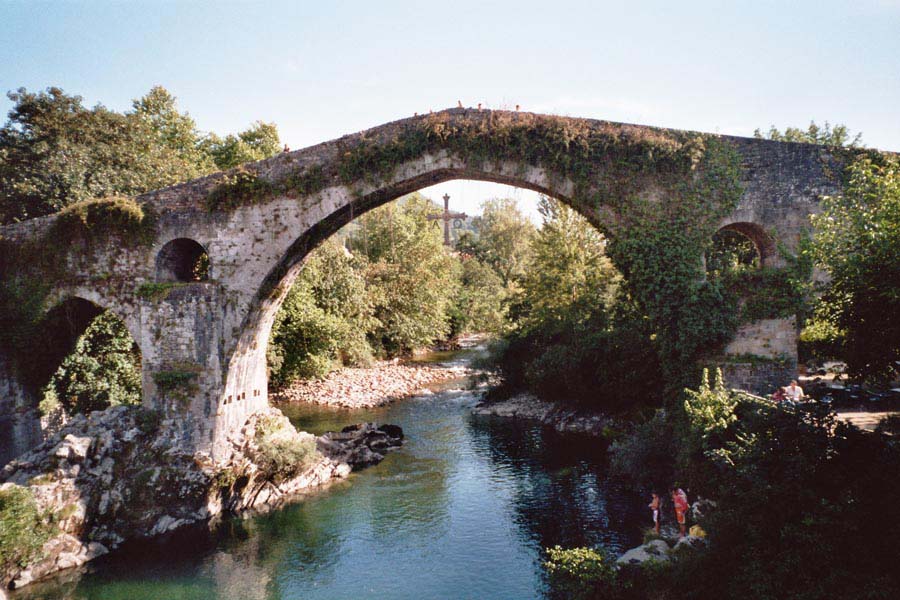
411 278
481 302
257 142
54 151
857 241
175 137
569 275
504 235
839 135
577 337
103 370
324 320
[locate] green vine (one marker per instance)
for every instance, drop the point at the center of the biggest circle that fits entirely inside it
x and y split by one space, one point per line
609 159
178 382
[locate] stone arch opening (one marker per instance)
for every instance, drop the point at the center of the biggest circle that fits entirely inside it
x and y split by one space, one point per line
86 359
746 245
182 260
247 364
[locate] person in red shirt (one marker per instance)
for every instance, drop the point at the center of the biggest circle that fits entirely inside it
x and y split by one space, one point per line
680 500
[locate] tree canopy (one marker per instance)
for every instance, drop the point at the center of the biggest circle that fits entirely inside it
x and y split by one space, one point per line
55 151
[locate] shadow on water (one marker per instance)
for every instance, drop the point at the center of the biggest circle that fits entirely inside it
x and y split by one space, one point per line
463 510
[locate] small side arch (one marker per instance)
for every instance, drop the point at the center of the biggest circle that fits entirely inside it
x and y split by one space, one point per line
766 245
182 260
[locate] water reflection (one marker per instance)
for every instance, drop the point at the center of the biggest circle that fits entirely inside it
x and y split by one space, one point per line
464 509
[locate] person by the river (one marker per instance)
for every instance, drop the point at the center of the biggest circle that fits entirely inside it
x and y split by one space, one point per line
794 392
680 500
654 507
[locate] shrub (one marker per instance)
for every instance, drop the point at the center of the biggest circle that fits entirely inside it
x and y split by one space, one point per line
282 451
581 572
23 531
648 454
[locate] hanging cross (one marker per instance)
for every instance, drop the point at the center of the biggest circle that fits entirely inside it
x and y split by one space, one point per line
447 216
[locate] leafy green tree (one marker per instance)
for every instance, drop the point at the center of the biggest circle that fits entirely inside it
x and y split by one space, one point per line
411 277
481 302
174 136
731 252
324 320
569 276
857 241
54 151
577 336
257 142
839 135
504 238
103 370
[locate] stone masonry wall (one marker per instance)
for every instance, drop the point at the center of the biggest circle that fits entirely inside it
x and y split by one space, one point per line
769 338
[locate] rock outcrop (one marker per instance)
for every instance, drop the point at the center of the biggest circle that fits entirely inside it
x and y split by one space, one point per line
119 474
561 418
659 551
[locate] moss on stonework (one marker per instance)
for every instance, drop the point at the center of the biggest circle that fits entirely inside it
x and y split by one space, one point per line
178 382
605 157
239 188
156 291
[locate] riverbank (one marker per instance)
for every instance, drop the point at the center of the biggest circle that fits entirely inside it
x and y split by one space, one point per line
381 384
123 474
562 418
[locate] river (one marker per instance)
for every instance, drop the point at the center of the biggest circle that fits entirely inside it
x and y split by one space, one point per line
463 510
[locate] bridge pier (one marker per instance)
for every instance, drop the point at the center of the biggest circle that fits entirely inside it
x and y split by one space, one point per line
762 356
185 372
20 425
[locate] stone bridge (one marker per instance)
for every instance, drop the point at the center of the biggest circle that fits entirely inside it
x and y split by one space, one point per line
204 343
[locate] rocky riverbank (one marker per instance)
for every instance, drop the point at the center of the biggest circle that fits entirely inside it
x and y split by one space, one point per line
121 474
561 418
369 387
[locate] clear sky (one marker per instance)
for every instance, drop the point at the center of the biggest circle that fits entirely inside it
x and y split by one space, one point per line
320 69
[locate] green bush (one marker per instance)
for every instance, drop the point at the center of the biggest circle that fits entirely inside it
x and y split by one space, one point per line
581 572
648 454
282 451
23 530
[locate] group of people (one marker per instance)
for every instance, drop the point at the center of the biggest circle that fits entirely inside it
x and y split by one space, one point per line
791 393
679 502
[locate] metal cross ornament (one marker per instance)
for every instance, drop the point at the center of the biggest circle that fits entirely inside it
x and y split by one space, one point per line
446 217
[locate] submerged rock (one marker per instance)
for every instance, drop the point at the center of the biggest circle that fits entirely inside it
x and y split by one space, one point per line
122 474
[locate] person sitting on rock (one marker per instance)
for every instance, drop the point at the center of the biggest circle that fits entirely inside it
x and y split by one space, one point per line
654 507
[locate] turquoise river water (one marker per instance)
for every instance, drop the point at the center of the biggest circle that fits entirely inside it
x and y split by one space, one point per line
463 510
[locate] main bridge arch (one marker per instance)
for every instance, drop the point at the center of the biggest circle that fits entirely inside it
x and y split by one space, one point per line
204 341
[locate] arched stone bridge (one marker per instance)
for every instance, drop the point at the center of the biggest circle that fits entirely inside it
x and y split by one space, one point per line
204 343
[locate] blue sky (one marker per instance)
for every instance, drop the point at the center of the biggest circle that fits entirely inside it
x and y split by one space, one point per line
323 69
